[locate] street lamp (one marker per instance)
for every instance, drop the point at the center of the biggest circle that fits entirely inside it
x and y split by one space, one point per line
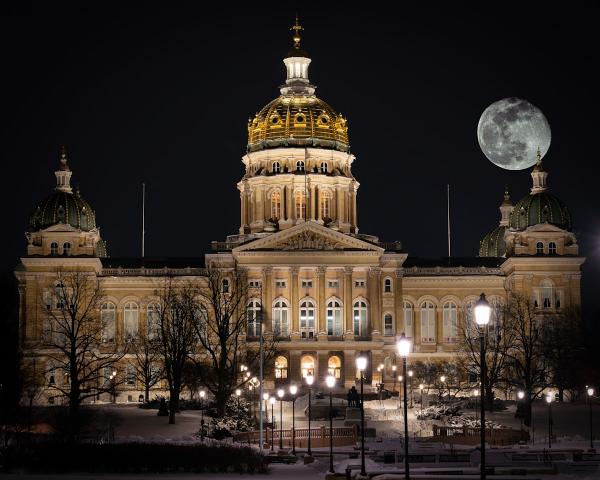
394 375
330 380
549 402
293 392
521 396
202 395
475 393
309 381
272 401
443 380
280 394
421 387
400 379
266 399
482 312
403 350
238 392
410 375
590 392
361 365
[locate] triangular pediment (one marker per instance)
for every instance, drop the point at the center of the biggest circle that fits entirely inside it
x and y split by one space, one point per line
61 227
308 236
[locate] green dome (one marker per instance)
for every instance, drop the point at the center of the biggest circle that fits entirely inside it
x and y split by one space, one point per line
493 244
63 207
541 207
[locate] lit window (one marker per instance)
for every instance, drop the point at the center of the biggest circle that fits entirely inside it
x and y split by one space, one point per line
254 283
281 315
334 366
60 295
307 319
408 319
334 318
539 248
450 322
281 367
54 249
325 204
552 248
300 166
427 322
300 204
547 294
107 320
307 365
276 167
276 204
67 249
131 320
388 325
360 318
252 317
387 285
323 167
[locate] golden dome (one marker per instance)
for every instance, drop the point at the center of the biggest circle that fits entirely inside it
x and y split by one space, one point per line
298 120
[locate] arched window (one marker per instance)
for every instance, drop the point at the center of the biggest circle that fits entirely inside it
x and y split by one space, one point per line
360 318
388 325
300 204
252 317
334 366
60 295
547 294
153 320
281 367
323 167
307 366
107 320
54 249
67 249
539 248
130 375
325 204
552 248
276 204
276 167
307 319
427 322
131 320
281 315
408 319
299 166
225 285
387 285
450 322
334 318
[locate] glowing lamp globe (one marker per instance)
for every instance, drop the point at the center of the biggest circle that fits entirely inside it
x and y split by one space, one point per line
202 393
403 346
238 392
280 393
482 311
421 386
590 392
361 363
330 381
442 378
293 389
521 394
272 400
549 398
309 380
265 396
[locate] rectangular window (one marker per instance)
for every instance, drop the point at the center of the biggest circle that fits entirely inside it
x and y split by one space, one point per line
408 321
333 283
359 283
306 283
130 378
254 284
280 283
428 325
388 325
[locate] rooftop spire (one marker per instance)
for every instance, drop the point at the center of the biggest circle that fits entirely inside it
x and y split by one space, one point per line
297 28
506 207
296 63
63 174
539 176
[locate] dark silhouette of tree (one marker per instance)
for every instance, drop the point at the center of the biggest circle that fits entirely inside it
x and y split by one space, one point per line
147 360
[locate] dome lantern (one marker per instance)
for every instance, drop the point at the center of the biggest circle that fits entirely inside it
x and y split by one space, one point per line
296 64
63 174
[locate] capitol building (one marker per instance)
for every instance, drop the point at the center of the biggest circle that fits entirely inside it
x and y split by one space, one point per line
328 291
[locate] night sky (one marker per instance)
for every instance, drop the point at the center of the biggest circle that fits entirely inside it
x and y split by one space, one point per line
163 97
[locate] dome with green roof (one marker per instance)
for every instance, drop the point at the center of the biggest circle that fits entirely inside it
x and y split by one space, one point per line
540 206
63 206
493 244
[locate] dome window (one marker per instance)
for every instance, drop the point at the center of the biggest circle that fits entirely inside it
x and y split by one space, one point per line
539 248
54 249
323 120
299 166
276 167
300 118
323 167
275 120
67 249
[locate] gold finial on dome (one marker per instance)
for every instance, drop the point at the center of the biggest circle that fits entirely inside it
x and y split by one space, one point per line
63 159
297 28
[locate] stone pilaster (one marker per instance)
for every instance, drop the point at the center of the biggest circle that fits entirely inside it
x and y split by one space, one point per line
321 324
398 303
267 300
349 368
374 289
347 299
295 303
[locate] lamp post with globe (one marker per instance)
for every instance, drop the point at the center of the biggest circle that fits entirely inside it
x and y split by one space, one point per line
266 400
404 349
590 395
482 311
309 381
521 396
410 375
550 422
293 392
361 366
272 401
280 394
202 395
330 381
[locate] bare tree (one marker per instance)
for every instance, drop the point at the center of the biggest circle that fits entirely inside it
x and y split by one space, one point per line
177 314
499 338
222 328
33 383
72 335
147 361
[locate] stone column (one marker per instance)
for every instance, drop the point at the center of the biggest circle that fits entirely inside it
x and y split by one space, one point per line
292 197
313 201
294 306
322 360
242 211
347 299
321 324
340 205
349 368
294 371
267 300
374 293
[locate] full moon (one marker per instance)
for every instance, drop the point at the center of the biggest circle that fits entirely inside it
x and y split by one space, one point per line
511 131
